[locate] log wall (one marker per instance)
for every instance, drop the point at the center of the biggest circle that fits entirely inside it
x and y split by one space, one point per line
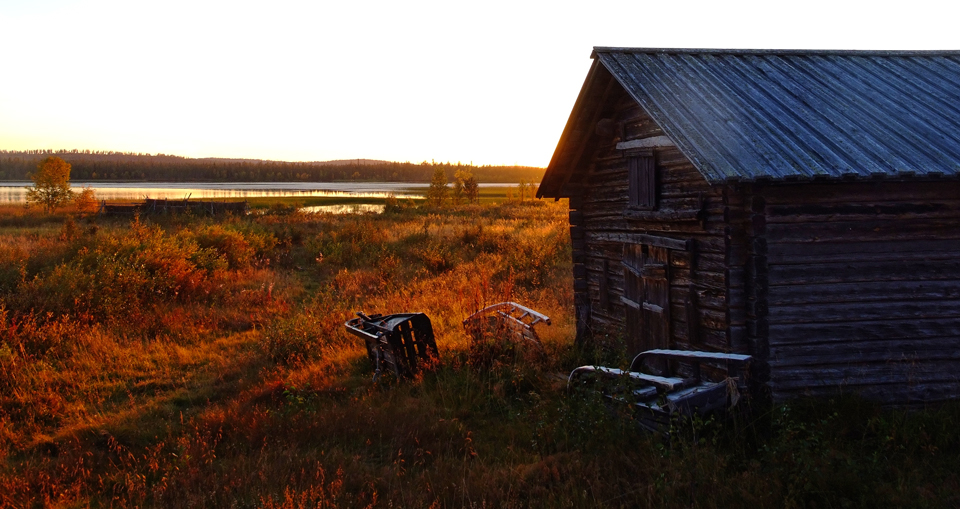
862 288
689 219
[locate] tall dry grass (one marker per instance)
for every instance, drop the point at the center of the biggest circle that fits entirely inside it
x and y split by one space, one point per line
183 362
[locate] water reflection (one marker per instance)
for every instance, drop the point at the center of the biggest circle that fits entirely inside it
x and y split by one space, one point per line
15 192
356 208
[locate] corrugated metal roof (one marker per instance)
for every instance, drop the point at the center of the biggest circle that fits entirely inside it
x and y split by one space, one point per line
754 114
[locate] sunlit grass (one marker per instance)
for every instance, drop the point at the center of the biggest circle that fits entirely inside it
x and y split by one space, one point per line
221 375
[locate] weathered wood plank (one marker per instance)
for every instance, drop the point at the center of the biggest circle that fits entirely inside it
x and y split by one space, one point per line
881 291
846 272
858 311
863 373
708 318
641 238
891 230
784 253
663 214
876 350
860 192
880 209
779 359
908 329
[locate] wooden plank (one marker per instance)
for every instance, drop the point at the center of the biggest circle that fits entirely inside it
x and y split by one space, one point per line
656 302
616 223
664 383
845 272
648 142
712 319
612 186
648 172
641 238
704 280
914 362
797 256
699 356
951 215
672 157
873 350
784 252
861 192
907 329
864 373
705 298
653 308
880 291
663 215
875 230
882 206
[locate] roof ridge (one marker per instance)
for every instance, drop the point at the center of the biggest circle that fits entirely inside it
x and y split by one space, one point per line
736 51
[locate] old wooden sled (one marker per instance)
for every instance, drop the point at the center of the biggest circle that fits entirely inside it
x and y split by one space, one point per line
506 319
399 342
658 398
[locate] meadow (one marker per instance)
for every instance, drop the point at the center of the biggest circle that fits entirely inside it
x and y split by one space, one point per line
196 362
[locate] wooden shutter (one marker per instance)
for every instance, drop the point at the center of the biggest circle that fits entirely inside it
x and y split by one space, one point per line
642 187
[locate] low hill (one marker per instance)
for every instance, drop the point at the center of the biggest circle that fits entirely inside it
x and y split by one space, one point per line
94 165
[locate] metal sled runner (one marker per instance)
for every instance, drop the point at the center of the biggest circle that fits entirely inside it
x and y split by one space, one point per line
657 398
399 342
508 319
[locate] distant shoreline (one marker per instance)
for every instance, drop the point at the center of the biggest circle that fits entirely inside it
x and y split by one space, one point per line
277 183
320 192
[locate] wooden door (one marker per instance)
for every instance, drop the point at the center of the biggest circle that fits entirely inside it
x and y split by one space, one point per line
633 296
646 297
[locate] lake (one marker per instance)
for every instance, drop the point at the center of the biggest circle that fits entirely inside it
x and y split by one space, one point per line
15 192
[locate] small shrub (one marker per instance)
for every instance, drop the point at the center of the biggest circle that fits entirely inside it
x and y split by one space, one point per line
232 245
209 259
292 340
437 257
86 201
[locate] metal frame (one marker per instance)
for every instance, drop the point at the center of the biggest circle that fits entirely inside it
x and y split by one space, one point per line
399 342
657 399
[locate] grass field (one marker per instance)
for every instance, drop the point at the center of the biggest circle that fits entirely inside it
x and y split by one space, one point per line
191 362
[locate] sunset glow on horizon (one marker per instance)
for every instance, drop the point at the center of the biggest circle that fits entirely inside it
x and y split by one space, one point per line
488 83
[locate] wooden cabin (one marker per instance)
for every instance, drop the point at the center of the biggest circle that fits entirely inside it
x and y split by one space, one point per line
802 207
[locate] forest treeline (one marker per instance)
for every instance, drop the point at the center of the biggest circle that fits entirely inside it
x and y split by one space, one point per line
101 165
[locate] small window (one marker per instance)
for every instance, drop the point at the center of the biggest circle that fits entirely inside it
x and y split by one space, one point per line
643 182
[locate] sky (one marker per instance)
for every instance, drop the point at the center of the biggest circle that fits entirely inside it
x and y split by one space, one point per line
489 82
